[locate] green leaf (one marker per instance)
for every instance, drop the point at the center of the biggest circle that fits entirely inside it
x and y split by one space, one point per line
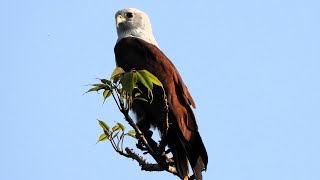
141 99
121 126
153 78
145 80
116 72
116 79
116 127
132 133
104 126
105 81
94 89
106 94
103 137
99 85
129 81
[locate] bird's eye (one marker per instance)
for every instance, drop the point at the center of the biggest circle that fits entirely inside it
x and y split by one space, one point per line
129 15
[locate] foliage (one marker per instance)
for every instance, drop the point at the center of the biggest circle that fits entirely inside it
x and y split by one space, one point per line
122 85
124 88
115 135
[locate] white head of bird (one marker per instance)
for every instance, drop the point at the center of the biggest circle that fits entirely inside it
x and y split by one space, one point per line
131 22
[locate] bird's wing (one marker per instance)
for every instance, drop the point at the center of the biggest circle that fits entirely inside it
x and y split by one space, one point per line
138 54
143 55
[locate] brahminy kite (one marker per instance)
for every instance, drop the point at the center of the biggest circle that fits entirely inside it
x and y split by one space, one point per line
136 48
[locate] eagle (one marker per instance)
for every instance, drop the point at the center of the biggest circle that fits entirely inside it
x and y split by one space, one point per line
136 48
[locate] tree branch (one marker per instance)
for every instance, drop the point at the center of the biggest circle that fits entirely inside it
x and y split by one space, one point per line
146 166
123 102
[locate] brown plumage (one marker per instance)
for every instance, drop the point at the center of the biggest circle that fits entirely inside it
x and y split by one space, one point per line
183 136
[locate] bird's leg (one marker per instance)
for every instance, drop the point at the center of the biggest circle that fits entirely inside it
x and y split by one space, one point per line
164 135
144 127
162 145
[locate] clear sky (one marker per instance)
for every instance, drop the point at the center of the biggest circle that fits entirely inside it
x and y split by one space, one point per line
252 67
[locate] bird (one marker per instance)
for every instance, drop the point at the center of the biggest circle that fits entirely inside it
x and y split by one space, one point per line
136 48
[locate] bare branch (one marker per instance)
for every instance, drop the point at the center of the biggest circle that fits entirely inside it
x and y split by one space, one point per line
146 166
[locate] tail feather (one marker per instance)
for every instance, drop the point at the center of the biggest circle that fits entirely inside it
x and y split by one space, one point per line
197 153
185 152
197 156
179 155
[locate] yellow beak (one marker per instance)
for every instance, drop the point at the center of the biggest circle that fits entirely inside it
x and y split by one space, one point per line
120 19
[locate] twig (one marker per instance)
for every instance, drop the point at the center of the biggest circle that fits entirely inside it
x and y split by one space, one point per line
115 100
146 166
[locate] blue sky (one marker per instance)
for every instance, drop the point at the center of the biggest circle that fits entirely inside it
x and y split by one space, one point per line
252 68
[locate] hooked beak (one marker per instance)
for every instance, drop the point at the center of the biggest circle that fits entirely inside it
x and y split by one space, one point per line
120 19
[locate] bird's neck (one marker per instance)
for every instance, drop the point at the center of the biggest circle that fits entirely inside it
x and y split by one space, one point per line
138 33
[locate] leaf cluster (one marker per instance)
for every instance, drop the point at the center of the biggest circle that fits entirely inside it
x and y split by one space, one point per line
122 86
115 135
